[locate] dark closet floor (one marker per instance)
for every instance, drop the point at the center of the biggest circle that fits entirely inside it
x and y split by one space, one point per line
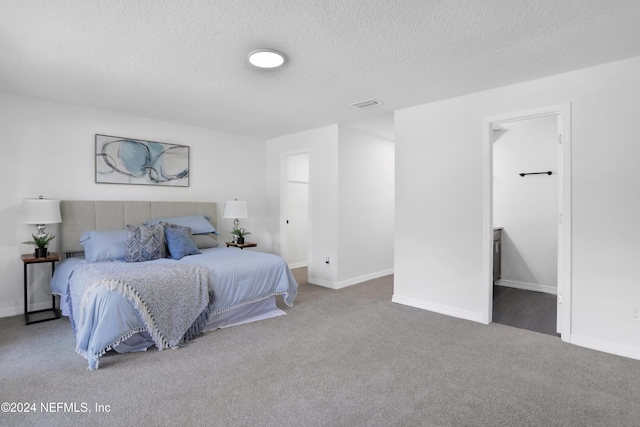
535 311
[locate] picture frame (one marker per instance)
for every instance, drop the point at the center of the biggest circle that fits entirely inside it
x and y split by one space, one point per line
139 162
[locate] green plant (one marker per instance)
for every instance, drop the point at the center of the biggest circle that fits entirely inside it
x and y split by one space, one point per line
240 232
41 241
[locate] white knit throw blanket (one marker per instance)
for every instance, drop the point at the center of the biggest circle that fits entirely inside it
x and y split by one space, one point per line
172 299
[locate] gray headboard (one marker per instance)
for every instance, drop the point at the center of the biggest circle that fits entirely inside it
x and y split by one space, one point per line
80 215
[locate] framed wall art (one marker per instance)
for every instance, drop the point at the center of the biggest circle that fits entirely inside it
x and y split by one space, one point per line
134 161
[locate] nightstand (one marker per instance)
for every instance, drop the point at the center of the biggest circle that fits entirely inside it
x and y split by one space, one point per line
27 259
242 245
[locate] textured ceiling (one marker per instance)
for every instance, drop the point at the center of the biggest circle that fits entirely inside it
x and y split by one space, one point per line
185 60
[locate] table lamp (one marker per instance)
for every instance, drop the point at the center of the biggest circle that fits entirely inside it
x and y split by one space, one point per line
41 212
235 209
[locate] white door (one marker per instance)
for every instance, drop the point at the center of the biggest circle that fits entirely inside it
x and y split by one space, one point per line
296 210
297 223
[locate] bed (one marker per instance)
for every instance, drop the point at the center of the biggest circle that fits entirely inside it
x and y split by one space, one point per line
121 292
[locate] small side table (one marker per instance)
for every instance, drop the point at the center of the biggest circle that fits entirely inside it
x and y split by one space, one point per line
27 259
242 245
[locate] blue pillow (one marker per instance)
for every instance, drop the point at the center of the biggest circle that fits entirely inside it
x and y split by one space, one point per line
103 245
179 242
199 224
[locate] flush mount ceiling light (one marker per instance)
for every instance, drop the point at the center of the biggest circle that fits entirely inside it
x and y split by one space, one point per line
266 58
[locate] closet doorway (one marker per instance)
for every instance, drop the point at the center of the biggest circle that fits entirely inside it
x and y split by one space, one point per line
527 201
295 209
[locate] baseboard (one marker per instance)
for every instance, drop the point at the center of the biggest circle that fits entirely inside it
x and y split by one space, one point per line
605 346
438 308
298 265
15 311
350 282
364 278
527 286
321 282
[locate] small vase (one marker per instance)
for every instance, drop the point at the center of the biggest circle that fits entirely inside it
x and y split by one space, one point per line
41 253
240 240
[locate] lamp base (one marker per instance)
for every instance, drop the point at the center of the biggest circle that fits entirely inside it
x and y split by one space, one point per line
41 230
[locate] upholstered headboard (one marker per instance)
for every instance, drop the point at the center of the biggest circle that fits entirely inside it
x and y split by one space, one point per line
79 216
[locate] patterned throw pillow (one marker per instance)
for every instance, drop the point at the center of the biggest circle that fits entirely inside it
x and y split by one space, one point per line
144 243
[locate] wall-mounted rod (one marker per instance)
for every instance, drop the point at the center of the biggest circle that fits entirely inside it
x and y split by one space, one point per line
536 173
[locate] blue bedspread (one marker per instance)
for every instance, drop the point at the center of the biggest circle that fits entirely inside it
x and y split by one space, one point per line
238 278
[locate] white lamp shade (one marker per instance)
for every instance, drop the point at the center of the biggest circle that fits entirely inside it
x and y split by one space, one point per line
41 211
235 209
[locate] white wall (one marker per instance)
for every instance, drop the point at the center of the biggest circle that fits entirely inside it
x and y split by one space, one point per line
366 206
527 207
350 198
48 148
439 200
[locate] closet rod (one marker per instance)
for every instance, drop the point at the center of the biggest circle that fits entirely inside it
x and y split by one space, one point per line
536 173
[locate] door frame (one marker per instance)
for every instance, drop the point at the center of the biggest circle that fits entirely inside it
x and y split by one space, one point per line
284 199
563 112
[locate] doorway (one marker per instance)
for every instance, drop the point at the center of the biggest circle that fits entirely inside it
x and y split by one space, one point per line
525 223
534 223
295 210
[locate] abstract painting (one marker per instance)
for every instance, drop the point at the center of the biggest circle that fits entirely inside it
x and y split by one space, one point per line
134 161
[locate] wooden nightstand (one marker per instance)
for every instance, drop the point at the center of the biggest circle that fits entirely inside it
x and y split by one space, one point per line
27 259
242 245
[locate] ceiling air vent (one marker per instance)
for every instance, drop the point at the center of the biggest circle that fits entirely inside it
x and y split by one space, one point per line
366 104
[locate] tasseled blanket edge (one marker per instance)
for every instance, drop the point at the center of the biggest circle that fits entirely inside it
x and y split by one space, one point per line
96 356
128 292
161 343
198 325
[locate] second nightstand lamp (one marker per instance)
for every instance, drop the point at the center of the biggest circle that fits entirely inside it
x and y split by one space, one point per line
41 212
235 209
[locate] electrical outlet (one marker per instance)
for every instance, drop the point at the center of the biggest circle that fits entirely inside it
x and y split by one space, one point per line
635 314
327 260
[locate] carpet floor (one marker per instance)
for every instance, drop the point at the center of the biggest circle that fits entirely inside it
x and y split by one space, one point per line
338 358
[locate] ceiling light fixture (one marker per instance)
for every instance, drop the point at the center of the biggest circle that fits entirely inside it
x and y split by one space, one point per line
266 58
